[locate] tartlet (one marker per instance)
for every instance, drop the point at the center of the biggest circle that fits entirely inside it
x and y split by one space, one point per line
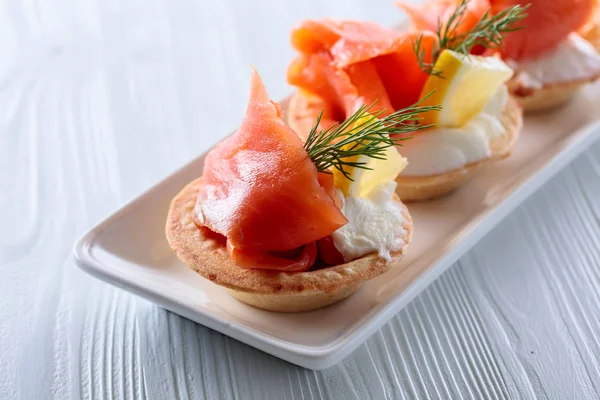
268 290
546 27
300 113
370 63
279 225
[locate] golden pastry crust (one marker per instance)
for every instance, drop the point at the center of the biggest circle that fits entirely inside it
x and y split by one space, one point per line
296 302
301 113
271 290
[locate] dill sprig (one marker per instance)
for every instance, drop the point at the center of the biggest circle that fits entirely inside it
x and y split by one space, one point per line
488 32
359 135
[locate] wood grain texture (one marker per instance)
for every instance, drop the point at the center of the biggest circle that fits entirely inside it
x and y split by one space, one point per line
101 99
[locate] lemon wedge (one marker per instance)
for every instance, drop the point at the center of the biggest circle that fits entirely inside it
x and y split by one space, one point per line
365 180
465 87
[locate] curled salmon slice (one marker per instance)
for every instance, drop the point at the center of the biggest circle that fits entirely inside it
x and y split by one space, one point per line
259 187
547 24
358 63
298 260
315 74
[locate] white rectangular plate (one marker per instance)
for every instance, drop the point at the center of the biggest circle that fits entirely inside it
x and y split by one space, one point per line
129 249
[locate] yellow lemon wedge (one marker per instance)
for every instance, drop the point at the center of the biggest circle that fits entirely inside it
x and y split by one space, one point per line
365 180
465 86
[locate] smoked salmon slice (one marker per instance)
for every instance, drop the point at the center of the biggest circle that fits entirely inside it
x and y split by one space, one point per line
328 253
358 63
290 261
427 15
263 193
368 83
547 24
349 42
314 74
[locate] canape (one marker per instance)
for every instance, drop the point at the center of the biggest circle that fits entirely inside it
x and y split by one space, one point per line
290 226
554 54
345 63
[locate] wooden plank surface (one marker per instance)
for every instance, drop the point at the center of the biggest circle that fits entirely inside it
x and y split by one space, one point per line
101 99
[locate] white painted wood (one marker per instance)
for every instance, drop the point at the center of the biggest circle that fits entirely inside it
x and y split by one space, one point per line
101 99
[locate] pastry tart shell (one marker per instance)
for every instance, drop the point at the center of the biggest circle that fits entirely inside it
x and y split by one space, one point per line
269 290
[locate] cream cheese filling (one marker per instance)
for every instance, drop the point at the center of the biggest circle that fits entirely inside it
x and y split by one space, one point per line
375 224
440 150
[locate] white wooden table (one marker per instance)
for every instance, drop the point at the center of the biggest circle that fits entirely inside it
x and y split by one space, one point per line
99 100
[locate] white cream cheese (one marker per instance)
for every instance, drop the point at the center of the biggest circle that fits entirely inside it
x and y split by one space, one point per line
441 150
573 59
375 224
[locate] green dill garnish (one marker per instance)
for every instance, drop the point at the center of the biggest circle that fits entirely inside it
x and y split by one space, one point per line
338 145
488 32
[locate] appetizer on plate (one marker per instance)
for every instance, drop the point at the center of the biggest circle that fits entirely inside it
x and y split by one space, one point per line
553 55
291 226
343 64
